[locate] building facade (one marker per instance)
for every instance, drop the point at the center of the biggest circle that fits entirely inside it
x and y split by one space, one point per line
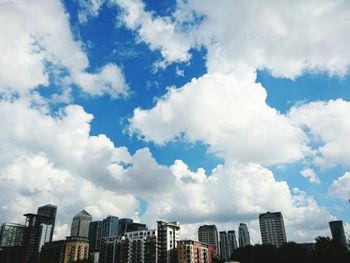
11 235
228 244
338 234
53 252
209 234
77 248
143 246
272 229
110 226
80 224
95 237
168 235
190 251
243 235
50 212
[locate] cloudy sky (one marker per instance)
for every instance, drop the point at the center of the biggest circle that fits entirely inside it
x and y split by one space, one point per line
191 110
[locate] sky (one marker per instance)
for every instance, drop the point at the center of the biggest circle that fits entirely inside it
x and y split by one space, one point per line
198 111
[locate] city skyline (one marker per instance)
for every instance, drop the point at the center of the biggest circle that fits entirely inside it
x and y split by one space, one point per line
200 112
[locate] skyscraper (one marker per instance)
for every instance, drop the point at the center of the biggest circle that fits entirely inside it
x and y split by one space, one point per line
338 234
123 224
110 226
80 224
49 211
243 235
95 237
209 234
228 243
11 235
168 235
272 228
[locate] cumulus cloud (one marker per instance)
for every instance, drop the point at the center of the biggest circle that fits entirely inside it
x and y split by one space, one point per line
36 40
340 188
310 175
319 119
89 9
160 33
229 115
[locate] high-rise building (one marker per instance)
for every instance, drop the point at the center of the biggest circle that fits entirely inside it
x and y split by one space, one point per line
168 235
193 251
136 227
53 252
243 235
80 224
36 233
228 243
338 234
123 224
77 248
49 211
272 228
143 246
11 235
114 250
95 237
110 226
209 234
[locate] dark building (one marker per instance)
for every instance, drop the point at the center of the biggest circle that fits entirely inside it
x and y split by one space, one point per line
123 224
95 237
110 226
36 234
49 211
338 234
136 227
11 235
209 234
53 252
11 255
272 229
243 235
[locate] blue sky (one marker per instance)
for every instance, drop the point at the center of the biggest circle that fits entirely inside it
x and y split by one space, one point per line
186 110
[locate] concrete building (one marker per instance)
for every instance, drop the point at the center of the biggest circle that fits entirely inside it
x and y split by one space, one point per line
228 244
272 228
190 251
168 235
77 248
209 234
338 234
143 246
243 235
80 224
49 211
11 235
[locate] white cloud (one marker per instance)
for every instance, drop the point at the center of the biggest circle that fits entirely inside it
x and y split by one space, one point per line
340 188
310 175
160 33
229 115
89 9
35 38
327 124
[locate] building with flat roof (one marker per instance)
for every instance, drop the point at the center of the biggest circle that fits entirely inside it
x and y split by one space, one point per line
194 252
11 235
243 235
209 234
272 228
338 234
168 235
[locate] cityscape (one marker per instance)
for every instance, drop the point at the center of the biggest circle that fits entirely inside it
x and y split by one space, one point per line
121 240
174 131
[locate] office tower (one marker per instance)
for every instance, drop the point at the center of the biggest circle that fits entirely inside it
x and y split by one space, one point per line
272 229
49 211
80 224
228 244
136 227
110 226
53 252
193 251
168 235
95 237
11 235
209 234
338 234
231 234
77 248
243 235
36 233
123 225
